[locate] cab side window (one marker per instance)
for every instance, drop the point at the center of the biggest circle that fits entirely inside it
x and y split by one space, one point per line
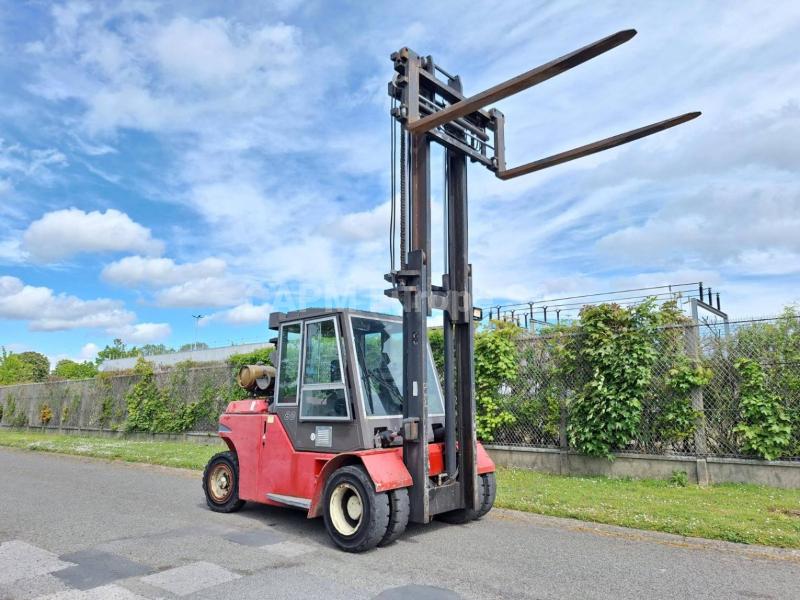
290 364
323 396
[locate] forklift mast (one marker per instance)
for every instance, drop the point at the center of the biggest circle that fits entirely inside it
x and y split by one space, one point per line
428 105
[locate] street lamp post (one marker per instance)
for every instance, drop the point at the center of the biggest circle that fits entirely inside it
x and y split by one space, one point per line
196 326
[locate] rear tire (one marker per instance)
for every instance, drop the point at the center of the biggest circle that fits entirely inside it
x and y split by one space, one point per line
356 516
486 494
221 483
399 510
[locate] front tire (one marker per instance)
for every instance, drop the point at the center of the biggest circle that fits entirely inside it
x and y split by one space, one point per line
399 511
356 516
489 493
221 483
486 494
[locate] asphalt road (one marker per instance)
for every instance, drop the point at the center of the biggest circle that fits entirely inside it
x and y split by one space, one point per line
75 529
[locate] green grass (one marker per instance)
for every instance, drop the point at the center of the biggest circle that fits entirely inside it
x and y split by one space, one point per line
186 455
750 514
738 513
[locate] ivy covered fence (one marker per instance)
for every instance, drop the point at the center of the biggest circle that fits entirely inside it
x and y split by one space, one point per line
646 379
641 379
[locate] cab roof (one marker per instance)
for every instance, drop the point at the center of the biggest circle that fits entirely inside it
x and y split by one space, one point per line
276 318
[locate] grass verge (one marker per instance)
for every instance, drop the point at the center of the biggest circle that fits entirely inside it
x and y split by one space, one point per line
749 514
186 455
733 512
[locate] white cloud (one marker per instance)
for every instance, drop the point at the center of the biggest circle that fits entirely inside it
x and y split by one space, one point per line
362 225
291 196
215 51
133 271
45 310
195 284
10 251
766 262
89 351
132 67
132 107
143 333
243 314
207 291
730 223
64 233
35 164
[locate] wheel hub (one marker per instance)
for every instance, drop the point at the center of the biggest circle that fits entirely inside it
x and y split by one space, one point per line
346 509
354 507
220 480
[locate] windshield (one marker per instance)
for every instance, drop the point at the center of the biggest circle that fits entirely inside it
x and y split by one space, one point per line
379 349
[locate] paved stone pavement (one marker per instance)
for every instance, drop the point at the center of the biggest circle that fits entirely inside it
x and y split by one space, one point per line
81 529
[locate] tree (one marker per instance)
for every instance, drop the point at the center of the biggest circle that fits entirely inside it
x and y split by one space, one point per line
23 368
117 350
38 363
69 369
12 369
153 349
197 346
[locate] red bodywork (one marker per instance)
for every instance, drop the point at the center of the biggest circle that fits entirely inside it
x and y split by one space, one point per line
269 464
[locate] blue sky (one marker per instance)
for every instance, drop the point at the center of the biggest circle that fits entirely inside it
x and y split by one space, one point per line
159 160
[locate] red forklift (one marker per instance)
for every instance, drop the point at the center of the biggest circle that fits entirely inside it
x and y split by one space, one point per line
353 424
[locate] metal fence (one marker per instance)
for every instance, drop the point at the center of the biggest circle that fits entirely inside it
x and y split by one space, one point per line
538 398
541 394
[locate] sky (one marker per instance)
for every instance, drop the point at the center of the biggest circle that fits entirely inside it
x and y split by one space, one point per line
165 160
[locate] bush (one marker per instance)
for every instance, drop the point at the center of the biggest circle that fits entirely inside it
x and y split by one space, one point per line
679 479
262 355
45 414
764 427
20 420
146 403
69 369
617 346
11 408
234 391
496 366
496 360
165 410
677 419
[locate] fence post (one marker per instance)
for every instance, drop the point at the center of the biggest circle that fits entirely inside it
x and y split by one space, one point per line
700 434
563 440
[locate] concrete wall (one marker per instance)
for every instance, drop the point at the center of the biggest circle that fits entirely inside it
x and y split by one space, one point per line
783 474
99 403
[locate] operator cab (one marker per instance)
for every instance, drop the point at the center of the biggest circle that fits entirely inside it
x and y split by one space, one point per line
339 383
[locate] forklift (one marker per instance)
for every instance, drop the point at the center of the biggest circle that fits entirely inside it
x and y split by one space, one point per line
353 422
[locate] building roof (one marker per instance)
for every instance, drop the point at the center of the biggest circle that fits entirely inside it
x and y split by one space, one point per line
173 358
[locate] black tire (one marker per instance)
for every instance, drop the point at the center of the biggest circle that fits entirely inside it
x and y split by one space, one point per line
487 492
221 483
399 509
367 529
